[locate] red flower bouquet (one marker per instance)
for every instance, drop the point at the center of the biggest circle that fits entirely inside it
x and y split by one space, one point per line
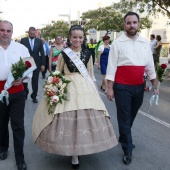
19 68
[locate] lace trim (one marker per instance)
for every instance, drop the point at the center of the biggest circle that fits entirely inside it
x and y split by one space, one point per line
77 146
62 132
81 117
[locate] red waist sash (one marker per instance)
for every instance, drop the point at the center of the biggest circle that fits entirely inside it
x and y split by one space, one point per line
13 89
130 75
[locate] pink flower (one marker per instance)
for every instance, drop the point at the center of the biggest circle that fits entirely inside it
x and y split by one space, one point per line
55 99
50 79
54 89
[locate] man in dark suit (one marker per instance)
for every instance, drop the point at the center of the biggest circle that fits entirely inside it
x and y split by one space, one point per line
35 47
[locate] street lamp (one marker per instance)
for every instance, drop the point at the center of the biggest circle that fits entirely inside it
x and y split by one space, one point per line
67 15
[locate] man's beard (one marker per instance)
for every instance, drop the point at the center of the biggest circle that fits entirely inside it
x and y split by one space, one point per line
131 33
32 38
5 42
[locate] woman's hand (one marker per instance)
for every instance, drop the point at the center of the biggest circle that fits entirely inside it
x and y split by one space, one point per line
99 66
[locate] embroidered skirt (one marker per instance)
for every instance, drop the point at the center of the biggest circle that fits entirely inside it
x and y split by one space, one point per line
79 126
78 132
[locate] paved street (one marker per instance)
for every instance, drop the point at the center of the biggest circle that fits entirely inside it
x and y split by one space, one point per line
151 135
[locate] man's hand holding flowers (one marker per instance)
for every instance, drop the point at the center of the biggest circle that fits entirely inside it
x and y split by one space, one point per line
160 70
19 72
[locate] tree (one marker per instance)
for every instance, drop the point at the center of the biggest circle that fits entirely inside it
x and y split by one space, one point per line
108 19
55 28
150 6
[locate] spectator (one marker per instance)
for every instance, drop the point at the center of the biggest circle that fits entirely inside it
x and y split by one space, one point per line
36 50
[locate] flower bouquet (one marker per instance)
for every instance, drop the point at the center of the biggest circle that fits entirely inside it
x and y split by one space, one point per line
160 72
19 70
55 89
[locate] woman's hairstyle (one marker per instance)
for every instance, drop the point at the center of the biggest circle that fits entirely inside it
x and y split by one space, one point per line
158 37
58 36
73 28
106 37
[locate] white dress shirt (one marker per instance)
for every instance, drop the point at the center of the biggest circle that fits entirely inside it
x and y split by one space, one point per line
10 56
127 52
153 44
31 41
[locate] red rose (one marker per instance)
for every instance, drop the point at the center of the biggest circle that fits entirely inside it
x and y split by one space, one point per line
163 66
28 64
49 93
56 80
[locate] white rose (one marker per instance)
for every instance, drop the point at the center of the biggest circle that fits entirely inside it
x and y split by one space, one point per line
56 72
55 99
50 79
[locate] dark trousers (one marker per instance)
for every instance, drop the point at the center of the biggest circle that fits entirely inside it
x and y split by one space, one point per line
128 101
26 89
46 66
34 82
93 56
15 113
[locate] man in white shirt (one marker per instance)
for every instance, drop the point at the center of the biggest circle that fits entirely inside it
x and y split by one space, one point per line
10 53
152 43
130 56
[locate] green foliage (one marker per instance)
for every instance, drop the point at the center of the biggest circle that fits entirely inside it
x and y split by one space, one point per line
18 69
103 19
152 7
164 52
160 70
110 18
55 28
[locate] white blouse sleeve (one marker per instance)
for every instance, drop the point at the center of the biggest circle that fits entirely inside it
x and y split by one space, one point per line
101 48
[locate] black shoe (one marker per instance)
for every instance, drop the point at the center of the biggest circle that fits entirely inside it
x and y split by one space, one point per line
22 166
34 100
75 166
3 155
127 159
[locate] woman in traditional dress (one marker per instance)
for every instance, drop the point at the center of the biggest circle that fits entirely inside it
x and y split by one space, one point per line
54 53
81 124
103 54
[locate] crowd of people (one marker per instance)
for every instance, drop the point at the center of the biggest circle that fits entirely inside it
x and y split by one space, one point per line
80 125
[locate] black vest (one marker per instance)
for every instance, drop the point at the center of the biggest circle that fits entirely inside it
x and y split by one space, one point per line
84 56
